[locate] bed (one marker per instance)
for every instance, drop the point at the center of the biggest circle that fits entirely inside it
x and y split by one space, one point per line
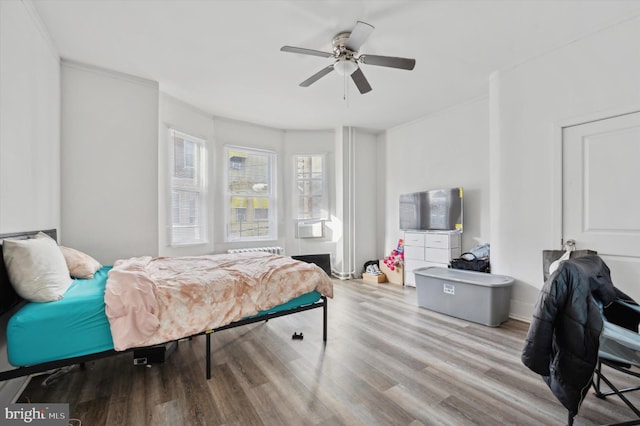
83 324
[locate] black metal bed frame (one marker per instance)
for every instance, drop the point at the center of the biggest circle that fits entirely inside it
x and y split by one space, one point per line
320 304
51 365
10 300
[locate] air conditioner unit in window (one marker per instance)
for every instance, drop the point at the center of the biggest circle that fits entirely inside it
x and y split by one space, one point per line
310 229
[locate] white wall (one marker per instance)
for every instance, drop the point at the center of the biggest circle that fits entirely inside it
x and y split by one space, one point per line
29 136
29 118
366 182
355 226
175 114
529 103
297 142
238 133
381 196
219 132
446 149
109 160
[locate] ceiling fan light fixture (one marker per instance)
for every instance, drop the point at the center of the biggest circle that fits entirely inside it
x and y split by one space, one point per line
345 66
347 57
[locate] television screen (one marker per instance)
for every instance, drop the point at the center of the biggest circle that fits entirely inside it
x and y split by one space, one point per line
438 209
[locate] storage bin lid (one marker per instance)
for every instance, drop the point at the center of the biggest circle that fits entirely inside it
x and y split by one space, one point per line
468 277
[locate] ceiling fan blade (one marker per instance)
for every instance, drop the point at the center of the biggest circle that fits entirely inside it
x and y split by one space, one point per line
388 61
359 35
304 51
361 81
317 76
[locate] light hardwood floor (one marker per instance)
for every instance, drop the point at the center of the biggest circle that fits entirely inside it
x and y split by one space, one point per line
386 362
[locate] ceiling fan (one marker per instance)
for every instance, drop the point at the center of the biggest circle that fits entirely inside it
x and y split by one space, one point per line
346 46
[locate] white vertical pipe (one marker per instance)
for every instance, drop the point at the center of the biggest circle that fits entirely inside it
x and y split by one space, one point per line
352 202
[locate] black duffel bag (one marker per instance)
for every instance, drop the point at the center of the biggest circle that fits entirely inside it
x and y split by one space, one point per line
469 262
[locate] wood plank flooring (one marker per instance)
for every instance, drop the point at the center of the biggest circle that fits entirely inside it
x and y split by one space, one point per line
386 362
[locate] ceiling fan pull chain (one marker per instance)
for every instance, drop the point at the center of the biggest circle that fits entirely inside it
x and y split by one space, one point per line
344 88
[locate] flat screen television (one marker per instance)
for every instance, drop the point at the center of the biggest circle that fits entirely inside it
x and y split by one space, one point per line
437 209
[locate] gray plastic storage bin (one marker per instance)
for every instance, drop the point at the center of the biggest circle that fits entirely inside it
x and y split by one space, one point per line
473 296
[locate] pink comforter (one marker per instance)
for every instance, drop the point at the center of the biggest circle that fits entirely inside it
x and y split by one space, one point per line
156 300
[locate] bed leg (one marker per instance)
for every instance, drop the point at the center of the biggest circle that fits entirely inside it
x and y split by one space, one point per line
324 319
208 351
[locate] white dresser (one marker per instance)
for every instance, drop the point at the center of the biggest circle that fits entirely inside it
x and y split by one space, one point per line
429 248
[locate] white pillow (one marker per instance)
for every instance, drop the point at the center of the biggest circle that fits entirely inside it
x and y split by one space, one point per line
36 268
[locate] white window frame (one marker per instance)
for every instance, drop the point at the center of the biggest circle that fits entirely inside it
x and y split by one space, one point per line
299 215
269 192
196 186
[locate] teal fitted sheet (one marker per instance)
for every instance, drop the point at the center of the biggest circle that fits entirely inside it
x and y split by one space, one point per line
77 324
73 326
305 299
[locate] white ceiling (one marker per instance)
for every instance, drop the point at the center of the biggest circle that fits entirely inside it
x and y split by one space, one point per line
224 56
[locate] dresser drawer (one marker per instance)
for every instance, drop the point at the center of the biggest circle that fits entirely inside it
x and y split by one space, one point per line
441 255
409 267
414 252
436 240
414 239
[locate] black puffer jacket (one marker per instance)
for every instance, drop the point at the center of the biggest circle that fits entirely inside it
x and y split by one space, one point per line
563 339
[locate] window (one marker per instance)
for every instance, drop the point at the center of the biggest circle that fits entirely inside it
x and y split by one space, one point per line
187 174
250 195
310 189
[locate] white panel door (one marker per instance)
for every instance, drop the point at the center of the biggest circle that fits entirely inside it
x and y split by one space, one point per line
601 194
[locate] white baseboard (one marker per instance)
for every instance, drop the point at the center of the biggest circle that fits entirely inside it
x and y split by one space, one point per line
520 318
521 311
